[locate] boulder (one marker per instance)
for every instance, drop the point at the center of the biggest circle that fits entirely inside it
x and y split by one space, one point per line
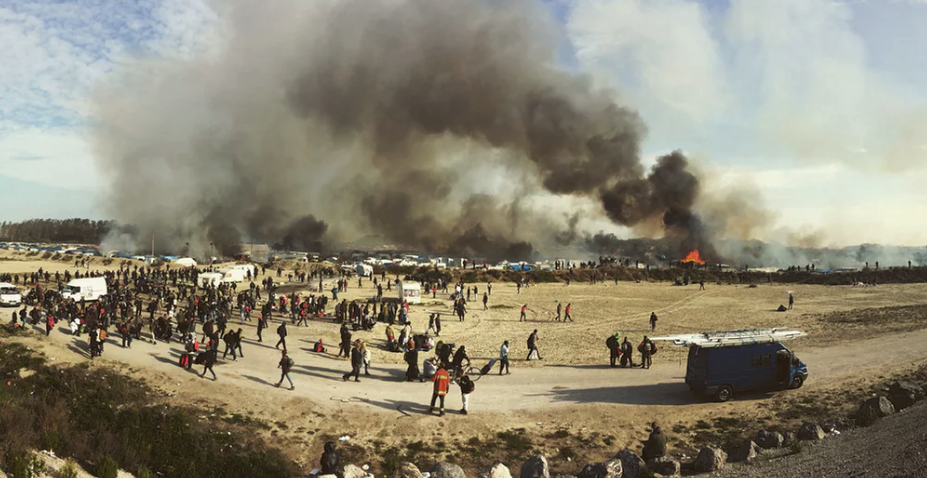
496 471
877 406
745 453
443 469
632 465
606 469
709 459
326 476
904 394
769 440
351 471
810 431
788 438
665 465
407 470
535 467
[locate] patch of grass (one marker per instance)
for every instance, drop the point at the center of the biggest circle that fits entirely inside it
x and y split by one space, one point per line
702 425
69 470
87 414
501 306
515 440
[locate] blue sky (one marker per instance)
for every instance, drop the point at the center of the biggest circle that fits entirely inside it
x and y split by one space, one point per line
816 107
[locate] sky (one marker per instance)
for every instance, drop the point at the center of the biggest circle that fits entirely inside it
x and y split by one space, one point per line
815 108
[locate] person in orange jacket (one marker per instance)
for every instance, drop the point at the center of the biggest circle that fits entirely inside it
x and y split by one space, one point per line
442 382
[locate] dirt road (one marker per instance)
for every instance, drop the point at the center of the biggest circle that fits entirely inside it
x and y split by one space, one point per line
318 376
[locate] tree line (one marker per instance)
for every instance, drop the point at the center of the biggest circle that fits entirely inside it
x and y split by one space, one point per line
76 231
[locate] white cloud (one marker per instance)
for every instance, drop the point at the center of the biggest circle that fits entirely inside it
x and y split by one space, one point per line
54 54
660 52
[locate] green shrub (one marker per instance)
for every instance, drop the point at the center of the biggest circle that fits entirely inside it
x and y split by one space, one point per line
68 470
106 467
143 472
26 466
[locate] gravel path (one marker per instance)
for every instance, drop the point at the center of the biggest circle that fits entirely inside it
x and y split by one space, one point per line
894 447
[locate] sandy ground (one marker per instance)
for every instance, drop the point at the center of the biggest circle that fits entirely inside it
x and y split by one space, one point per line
571 388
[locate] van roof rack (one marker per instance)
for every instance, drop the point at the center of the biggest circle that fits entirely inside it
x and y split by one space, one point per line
732 338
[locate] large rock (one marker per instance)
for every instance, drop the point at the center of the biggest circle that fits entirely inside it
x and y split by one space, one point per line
443 469
904 394
810 431
877 407
709 459
788 438
631 465
351 471
407 470
769 440
745 453
606 469
664 465
496 471
535 467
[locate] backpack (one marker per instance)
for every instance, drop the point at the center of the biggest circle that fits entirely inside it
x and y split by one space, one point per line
290 362
102 335
611 342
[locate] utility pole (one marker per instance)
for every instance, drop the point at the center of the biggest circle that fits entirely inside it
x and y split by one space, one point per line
152 244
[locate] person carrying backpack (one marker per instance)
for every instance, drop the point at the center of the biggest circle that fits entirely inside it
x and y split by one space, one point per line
281 331
285 365
613 348
466 388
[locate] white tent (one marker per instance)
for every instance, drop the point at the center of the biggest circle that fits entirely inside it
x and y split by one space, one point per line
364 270
185 262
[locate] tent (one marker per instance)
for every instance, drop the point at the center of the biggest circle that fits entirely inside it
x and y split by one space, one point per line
185 262
364 270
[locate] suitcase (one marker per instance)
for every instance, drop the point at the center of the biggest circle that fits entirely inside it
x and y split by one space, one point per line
488 367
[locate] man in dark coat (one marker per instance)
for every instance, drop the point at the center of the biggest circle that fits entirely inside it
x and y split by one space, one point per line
614 349
655 446
357 360
281 331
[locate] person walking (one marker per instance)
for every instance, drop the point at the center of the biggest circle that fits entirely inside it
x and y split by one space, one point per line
367 356
485 301
209 359
653 321
533 345
466 388
281 331
442 382
357 359
504 358
285 365
261 325
791 301
566 316
523 317
559 310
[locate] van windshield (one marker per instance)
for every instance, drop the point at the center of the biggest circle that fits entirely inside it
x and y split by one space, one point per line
70 289
9 291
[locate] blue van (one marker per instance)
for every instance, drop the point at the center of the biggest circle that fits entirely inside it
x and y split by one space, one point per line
722 370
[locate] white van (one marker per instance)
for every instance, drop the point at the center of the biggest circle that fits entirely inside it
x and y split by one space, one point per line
212 278
9 295
90 288
410 292
234 275
244 268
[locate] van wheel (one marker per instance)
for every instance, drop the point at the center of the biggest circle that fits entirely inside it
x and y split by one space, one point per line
724 393
798 381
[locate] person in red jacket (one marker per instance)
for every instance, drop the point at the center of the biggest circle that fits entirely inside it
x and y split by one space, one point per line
442 381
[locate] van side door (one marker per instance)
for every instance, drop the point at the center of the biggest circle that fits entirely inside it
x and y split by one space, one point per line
762 370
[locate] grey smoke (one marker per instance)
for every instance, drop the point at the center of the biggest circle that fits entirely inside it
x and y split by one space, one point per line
320 122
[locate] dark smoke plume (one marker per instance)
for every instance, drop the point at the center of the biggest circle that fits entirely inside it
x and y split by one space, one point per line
328 120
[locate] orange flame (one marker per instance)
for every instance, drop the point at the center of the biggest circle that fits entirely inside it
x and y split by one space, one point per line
694 257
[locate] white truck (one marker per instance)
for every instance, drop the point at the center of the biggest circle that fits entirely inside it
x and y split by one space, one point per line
89 289
208 278
9 295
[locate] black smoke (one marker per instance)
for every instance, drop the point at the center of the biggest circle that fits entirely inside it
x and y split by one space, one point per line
333 120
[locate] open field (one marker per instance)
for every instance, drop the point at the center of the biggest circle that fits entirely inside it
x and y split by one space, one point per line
856 335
